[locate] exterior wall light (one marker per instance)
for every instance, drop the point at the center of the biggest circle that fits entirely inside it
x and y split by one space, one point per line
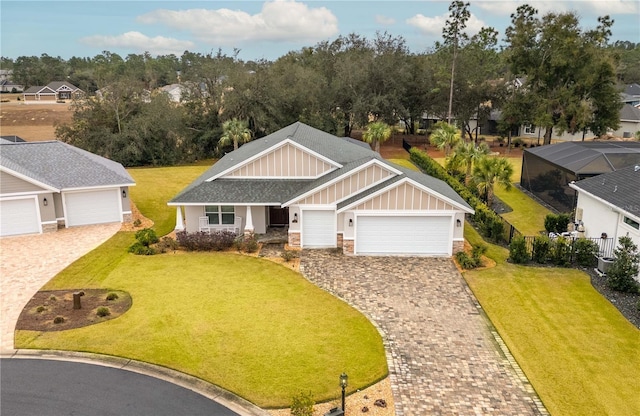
45 202
124 193
295 218
458 223
350 222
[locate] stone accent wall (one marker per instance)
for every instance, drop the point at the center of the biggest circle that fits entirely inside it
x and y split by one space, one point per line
49 228
340 239
347 247
458 246
127 217
294 239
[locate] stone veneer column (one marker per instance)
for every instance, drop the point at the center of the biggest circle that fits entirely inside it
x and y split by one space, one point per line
127 217
347 247
340 239
294 239
458 246
49 228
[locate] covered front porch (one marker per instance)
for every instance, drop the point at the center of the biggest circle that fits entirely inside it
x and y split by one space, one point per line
237 218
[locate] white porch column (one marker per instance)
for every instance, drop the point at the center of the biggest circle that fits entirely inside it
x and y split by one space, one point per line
179 220
248 227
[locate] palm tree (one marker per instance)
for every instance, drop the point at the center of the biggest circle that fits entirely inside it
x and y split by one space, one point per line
377 132
465 155
489 171
234 131
445 136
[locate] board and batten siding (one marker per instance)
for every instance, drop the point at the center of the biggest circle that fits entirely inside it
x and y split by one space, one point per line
285 161
348 186
405 197
10 184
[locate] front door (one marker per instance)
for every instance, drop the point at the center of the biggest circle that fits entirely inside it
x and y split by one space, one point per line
278 217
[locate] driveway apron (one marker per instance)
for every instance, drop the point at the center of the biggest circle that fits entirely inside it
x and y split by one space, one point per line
28 262
444 358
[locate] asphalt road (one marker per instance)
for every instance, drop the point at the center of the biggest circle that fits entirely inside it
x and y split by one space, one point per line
51 388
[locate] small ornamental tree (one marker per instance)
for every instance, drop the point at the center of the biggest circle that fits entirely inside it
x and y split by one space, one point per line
622 272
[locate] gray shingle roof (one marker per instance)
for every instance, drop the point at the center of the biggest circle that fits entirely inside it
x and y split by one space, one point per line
55 85
348 154
589 157
62 166
629 113
620 188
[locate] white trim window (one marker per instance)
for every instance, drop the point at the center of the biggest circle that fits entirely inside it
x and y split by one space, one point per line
631 223
220 214
529 129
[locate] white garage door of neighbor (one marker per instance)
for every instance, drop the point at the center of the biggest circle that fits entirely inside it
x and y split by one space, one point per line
92 207
18 216
403 235
318 229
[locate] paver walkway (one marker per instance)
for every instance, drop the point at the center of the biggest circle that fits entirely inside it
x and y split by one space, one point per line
28 262
443 358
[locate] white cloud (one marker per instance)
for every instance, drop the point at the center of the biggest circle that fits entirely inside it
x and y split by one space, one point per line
599 7
159 45
384 20
279 20
433 25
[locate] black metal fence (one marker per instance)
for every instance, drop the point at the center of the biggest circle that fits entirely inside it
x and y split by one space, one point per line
605 245
406 146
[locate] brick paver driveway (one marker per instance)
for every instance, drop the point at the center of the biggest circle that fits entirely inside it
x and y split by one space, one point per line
28 262
443 357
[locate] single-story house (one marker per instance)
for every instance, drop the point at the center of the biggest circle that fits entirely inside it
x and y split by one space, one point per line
174 91
57 90
50 184
329 192
10 86
548 170
609 204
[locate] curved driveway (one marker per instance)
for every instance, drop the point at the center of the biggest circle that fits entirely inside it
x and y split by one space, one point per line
45 387
28 262
443 357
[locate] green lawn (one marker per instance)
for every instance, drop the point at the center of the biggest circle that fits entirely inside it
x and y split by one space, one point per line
156 186
246 324
404 163
580 354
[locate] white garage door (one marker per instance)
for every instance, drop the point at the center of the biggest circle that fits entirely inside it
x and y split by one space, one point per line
318 229
94 207
19 216
388 235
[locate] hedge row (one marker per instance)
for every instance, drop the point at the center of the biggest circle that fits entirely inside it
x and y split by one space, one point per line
489 222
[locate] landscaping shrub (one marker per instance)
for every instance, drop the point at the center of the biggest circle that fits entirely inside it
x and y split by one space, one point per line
518 252
58 320
146 236
40 309
112 296
624 268
141 250
541 248
556 223
561 252
102 312
200 241
137 223
586 252
167 244
288 255
247 243
465 261
302 404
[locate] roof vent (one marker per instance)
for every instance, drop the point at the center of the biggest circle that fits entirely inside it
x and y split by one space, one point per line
636 168
615 188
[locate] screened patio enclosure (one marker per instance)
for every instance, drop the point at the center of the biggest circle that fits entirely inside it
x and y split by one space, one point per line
548 170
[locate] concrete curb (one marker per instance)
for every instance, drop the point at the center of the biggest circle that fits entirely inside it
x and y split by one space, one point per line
210 391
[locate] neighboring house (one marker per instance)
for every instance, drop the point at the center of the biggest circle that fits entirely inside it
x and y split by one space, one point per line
610 204
329 192
44 185
14 139
631 95
174 91
57 90
548 170
10 86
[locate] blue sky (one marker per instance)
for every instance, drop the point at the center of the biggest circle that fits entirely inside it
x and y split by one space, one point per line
260 29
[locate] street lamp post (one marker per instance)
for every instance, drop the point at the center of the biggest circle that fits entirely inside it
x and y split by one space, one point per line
344 378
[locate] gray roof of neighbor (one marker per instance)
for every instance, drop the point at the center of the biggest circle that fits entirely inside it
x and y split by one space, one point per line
620 188
632 89
629 113
62 166
55 85
343 151
589 157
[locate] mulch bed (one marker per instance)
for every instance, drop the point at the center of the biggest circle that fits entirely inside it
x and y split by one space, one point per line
627 303
46 305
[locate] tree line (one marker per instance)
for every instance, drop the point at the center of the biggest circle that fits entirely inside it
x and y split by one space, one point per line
571 78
